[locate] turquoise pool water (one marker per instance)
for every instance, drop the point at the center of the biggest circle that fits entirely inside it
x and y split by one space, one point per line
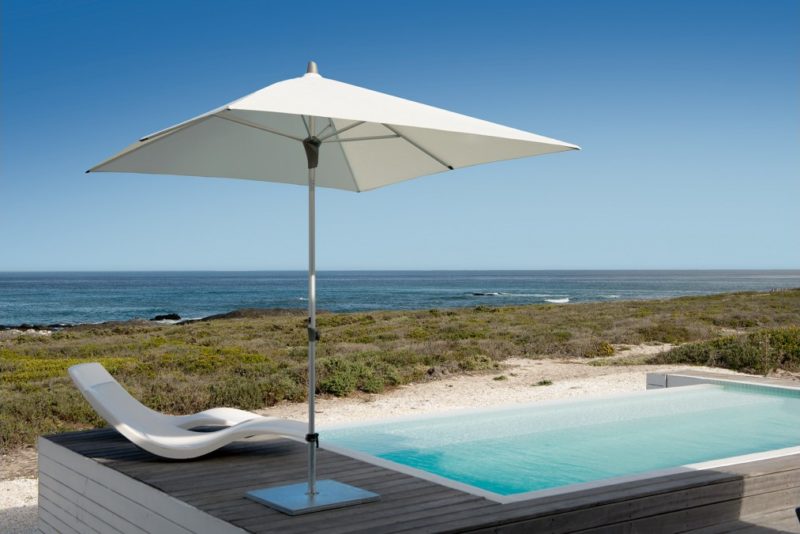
529 448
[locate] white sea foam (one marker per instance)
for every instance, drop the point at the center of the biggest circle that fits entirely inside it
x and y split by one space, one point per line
610 296
557 301
507 294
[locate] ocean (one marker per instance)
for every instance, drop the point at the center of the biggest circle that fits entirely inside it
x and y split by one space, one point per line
92 297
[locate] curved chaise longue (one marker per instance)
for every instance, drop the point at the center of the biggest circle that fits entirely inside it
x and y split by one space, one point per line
169 436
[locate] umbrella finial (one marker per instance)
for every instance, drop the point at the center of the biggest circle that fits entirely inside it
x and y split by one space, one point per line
312 68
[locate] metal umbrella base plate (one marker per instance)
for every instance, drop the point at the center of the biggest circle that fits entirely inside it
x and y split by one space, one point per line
294 499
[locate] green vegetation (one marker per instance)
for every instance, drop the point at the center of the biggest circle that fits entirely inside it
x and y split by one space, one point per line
599 349
544 382
254 360
759 352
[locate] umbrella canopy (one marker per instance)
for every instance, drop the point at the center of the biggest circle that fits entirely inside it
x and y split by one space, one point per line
368 139
348 138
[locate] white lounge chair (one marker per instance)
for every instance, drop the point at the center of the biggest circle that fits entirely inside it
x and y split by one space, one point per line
168 435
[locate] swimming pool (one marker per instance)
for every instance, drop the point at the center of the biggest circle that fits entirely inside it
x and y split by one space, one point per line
508 454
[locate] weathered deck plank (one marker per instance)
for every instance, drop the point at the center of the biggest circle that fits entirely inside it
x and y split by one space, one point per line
783 521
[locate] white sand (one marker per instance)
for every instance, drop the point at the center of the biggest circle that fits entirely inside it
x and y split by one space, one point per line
570 379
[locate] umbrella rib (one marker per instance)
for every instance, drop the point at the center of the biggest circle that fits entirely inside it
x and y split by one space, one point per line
337 132
419 147
308 131
368 138
351 174
153 138
249 124
176 128
330 123
349 168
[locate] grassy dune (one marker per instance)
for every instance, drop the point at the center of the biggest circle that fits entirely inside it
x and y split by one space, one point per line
758 352
258 360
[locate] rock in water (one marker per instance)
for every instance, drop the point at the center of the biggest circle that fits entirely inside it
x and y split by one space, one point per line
167 317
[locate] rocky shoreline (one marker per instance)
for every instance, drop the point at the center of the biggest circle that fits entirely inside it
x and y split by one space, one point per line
167 318
26 327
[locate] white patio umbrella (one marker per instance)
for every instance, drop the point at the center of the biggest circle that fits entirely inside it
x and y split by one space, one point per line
348 138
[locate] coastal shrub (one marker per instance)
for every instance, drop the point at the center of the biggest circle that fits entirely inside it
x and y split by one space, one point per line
192 362
19 368
736 321
622 361
460 331
544 382
561 336
386 336
244 394
390 375
665 333
598 349
6 367
171 393
371 382
255 370
759 352
352 334
338 376
330 320
26 413
418 333
254 393
343 379
498 349
297 352
477 362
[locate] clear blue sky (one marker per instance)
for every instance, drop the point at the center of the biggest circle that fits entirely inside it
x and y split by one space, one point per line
688 113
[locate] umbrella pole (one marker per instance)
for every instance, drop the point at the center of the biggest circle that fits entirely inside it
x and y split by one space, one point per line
303 498
311 438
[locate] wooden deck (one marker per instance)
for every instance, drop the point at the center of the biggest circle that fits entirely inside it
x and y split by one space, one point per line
98 481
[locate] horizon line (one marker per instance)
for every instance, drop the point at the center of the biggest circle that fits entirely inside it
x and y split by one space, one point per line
629 269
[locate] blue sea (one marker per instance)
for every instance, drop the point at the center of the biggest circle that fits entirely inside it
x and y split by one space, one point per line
92 297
